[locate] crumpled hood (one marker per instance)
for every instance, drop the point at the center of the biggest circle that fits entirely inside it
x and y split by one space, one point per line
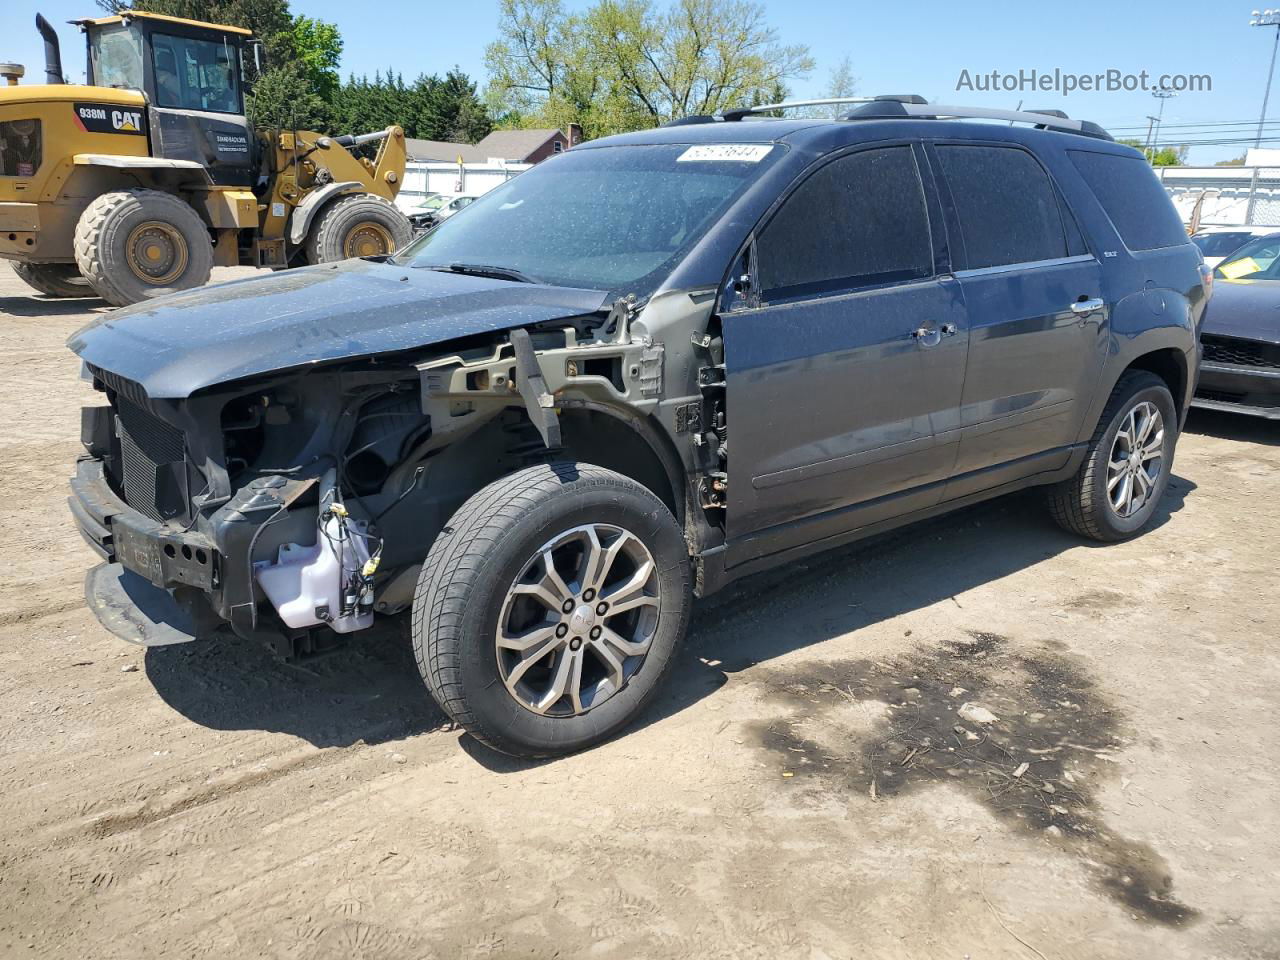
176 345
1248 309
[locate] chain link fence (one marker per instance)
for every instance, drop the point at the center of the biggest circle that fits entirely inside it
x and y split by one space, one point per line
1226 196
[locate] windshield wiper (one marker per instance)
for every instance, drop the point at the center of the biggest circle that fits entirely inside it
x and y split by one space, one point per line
484 270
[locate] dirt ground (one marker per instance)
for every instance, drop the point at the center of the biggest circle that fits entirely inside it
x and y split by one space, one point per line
818 782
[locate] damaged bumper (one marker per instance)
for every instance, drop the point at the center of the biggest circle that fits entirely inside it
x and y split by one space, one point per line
142 592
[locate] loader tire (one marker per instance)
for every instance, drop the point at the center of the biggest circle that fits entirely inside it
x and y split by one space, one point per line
132 245
55 280
357 225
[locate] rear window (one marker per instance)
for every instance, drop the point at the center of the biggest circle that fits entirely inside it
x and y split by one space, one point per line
1007 206
1133 198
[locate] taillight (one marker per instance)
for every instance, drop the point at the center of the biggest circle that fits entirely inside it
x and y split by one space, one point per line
1206 280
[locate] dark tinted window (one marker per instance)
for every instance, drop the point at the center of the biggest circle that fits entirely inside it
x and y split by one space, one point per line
1128 190
1007 206
858 220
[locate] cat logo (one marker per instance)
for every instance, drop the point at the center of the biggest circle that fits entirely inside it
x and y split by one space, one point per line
105 118
126 121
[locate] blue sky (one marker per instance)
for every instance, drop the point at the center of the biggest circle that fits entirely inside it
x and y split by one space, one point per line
895 48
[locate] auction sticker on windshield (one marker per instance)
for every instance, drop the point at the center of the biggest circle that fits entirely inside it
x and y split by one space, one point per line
720 152
1239 268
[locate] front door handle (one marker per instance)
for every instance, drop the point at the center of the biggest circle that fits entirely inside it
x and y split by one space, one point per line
927 336
1082 308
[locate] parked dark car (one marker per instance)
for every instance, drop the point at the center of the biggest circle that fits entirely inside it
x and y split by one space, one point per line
642 369
1240 369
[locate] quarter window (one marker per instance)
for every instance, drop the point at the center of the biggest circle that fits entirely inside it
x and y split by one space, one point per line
1007 206
1133 198
858 221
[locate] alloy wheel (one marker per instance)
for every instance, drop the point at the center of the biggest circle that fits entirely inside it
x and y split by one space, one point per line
578 621
1137 459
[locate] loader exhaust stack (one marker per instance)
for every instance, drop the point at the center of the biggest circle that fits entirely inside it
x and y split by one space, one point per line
52 53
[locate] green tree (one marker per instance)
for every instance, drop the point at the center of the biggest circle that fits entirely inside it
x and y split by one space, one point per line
628 64
316 47
1169 156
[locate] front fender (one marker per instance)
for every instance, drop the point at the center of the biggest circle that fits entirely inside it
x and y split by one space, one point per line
305 212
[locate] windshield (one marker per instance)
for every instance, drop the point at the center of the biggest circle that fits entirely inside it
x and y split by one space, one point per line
433 203
115 58
1256 260
1219 244
609 218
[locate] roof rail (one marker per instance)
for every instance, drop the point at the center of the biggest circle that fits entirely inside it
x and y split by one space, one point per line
1044 119
741 113
912 106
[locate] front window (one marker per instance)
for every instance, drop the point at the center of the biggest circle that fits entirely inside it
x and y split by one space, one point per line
604 218
195 74
19 148
115 58
1257 260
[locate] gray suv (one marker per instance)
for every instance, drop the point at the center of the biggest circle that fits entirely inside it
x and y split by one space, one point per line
638 371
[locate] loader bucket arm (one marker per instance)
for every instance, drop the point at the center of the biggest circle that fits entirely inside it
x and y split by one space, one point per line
388 165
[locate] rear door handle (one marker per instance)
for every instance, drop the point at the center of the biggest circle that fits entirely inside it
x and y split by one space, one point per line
1082 308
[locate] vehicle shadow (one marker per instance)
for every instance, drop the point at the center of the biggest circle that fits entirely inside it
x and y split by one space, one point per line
852 588
1233 426
365 690
42 307
369 689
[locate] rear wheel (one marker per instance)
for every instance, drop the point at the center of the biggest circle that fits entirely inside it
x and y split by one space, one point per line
1126 470
54 279
135 244
550 608
359 225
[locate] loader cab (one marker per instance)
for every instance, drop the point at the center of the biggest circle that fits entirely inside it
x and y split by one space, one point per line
191 73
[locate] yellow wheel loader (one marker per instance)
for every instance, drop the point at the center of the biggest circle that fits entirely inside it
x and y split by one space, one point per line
141 181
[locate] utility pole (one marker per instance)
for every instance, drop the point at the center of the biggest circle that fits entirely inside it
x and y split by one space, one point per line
1146 149
1163 94
1267 18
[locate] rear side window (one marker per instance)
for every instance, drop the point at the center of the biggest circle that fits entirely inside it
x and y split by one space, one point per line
857 221
1131 195
1007 206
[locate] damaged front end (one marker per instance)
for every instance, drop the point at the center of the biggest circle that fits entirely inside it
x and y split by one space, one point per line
288 505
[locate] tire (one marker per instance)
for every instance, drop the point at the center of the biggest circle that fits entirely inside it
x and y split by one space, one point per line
57 280
132 245
468 586
357 225
1085 503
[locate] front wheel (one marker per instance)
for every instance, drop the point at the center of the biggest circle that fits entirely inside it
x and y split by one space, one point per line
358 225
550 608
1114 494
